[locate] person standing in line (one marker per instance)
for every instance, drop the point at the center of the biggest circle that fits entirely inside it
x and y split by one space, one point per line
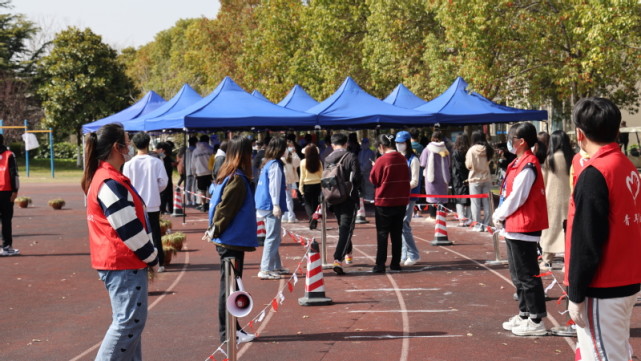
311 171
436 161
291 162
180 166
190 183
119 241
460 174
521 216
345 212
366 158
200 169
149 178
416 146
217 159
166 195
9 184
391 179
556 175
271 204
257 157
624 138
409 252
603 271
477 160
232 219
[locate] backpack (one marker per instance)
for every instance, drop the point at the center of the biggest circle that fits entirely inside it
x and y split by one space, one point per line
334 185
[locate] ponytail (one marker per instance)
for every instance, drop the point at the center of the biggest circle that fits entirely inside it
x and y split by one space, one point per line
98 146
541 151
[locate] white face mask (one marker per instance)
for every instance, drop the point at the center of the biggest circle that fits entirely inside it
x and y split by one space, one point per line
401 147
510 147
291 149
126 156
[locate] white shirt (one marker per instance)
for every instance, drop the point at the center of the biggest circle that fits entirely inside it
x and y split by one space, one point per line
520 191
149 178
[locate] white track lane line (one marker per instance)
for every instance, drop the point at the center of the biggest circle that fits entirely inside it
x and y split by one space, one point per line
569 341
169 290
405 347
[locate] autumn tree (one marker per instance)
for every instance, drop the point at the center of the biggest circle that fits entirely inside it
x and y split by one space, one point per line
82 81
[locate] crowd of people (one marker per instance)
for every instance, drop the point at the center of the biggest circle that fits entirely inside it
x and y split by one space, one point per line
553 203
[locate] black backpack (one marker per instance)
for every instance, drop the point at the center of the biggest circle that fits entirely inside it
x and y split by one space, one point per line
335 186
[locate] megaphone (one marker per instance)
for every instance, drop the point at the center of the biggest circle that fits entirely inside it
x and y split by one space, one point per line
240 303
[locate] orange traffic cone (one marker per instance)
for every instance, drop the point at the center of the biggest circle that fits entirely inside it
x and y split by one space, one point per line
440 229
314 284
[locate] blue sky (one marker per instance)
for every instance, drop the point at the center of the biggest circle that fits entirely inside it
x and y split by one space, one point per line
121 23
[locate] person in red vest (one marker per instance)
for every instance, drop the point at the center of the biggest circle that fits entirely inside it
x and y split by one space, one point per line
8 191
521 216
602 265
119 240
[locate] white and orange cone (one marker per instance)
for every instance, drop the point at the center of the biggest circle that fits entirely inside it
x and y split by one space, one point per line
314 283
440 229
178 203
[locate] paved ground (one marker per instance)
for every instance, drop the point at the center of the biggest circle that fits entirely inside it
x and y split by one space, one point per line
447 307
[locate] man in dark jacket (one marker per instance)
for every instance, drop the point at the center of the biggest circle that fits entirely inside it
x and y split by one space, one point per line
345 212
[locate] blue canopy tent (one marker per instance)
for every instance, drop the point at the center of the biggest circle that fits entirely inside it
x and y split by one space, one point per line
298 99
404 98
185 97
457 106
260 95
148 103
352 107
230 107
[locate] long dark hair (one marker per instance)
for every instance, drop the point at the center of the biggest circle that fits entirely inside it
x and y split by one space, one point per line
478 137
462 144
275 149
312 159
560 141
98 146
409 151
237 156
386 140
527 132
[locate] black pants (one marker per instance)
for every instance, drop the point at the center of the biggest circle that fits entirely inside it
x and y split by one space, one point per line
6 213
389 222
222 300
167 199
345 216
311 195
523 265
154 223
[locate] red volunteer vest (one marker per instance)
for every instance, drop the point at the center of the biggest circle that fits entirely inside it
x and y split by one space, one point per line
578 164
5 177
108 251
532 216
620 264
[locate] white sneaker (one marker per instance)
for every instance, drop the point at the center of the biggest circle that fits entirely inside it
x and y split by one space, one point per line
282 271
267 275
242 337
9 251
410 262
478 228
161 269
513 323
530 328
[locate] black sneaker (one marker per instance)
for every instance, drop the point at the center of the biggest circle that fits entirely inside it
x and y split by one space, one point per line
378 269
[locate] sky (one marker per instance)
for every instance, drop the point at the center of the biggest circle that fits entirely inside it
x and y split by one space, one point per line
121 23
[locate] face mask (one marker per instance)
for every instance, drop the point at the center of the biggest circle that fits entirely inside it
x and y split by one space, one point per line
510 147
126 156
291 149
401 147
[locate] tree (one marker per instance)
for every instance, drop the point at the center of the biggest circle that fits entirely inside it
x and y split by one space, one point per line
82 81
393 46
266 61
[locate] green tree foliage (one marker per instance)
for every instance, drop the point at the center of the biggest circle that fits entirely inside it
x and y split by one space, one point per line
83 81
15 32
266 60
393 45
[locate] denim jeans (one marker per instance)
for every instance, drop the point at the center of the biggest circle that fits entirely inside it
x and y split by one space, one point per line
271 258
481 188
409 249
289 215
128 293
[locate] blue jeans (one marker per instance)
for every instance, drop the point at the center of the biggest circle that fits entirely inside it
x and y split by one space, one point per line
289 215
477 203
128 293
271 259
409 249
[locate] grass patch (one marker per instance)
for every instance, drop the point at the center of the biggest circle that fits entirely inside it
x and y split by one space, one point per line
65 170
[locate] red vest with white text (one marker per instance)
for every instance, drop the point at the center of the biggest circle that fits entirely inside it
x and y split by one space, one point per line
532 216
5 177
108 251
578 164
619 264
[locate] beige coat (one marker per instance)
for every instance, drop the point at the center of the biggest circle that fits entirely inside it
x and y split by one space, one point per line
557 193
